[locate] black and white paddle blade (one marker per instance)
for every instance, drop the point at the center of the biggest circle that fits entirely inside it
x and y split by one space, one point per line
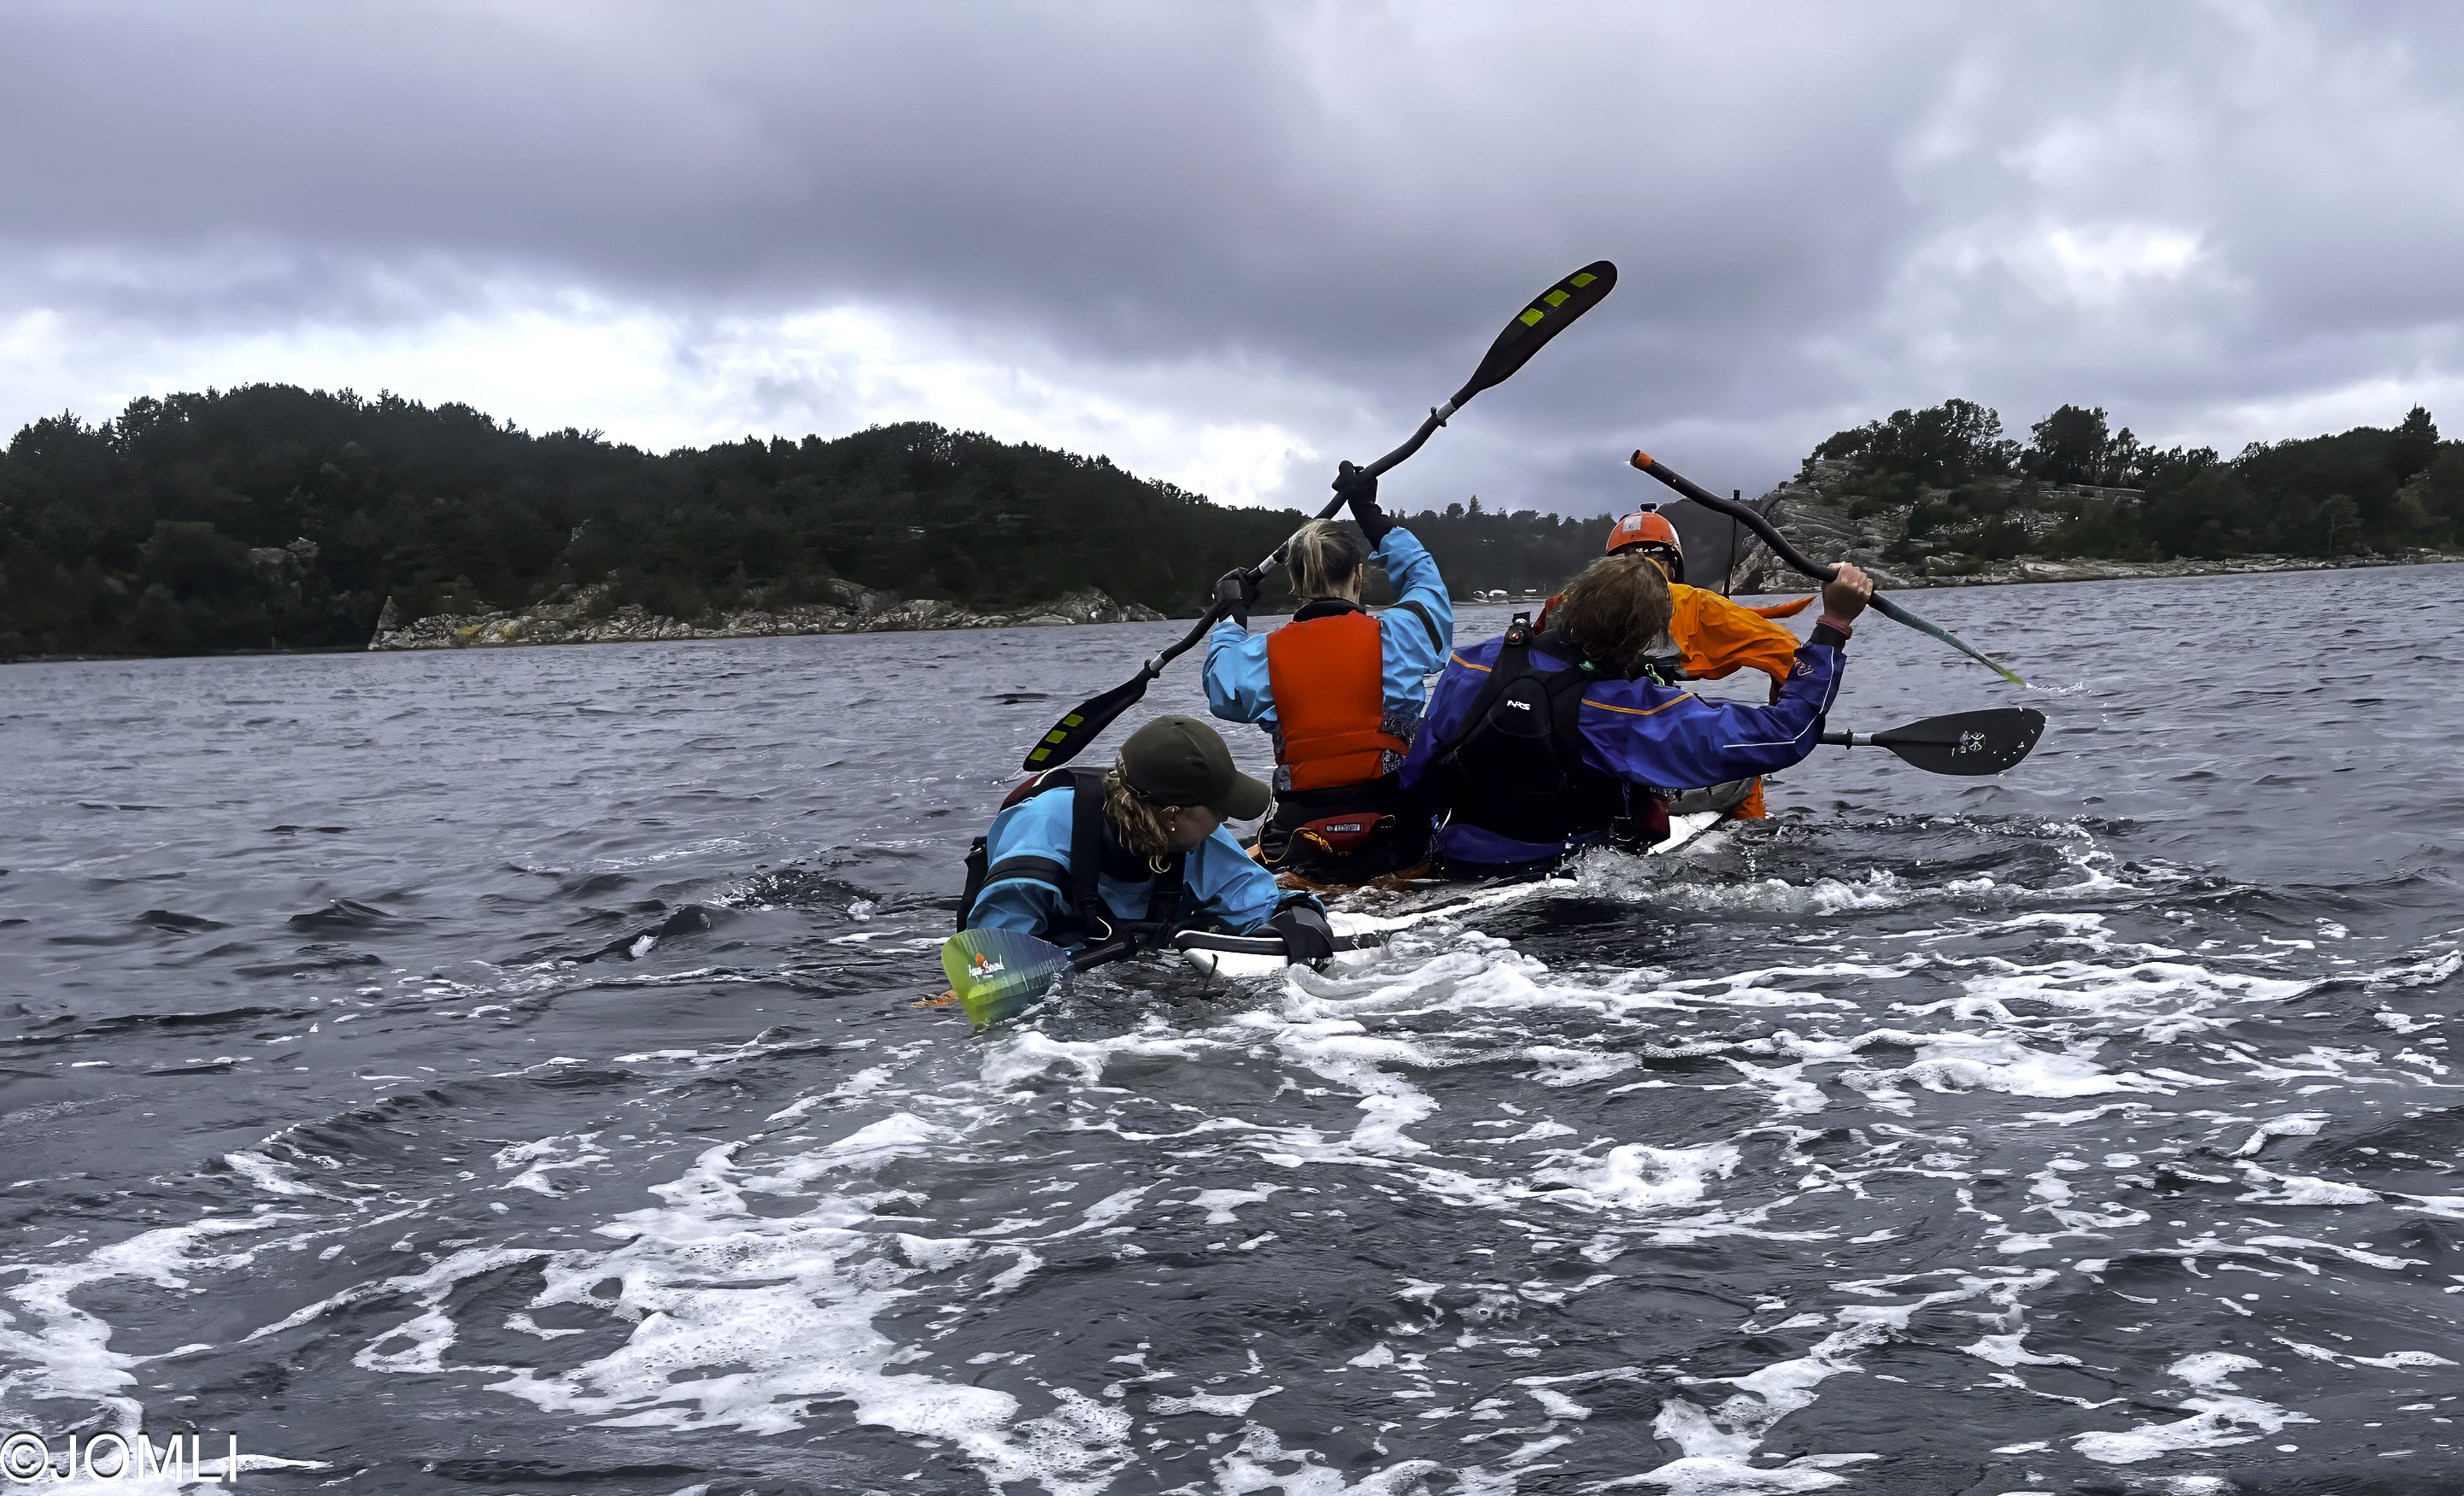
1549 314
1967 742
1080 726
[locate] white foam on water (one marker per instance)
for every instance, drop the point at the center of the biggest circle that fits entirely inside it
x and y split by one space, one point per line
2008 1351
2300 1243
1255 1466
1342 1051
2298 1124
768 1291
2220 1418
1215 1404
1791 1094
1223 1206
785 1303
1718 1439
862 1083
1638 1177
546 1157
58 1351
2156 1001
2401 1360
1564 1066
2293 1189
1021 1054
269 1175
1714 1475
1610 875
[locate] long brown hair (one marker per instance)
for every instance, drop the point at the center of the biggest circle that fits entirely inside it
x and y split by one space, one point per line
1136 823
1616 611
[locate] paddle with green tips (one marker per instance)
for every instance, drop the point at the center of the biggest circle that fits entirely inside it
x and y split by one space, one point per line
1550 313
1790 554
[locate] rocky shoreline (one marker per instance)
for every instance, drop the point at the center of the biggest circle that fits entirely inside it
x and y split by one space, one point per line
583 616
2035 568
1825 518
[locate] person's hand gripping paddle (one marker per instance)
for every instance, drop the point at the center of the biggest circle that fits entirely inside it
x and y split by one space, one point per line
1550 313
1781 549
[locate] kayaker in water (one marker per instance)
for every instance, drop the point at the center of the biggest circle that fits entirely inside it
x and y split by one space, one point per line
1137 851
1710 637
1338 690
1538 744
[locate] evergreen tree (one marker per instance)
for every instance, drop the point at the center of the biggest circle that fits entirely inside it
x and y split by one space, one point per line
2069 445
272 515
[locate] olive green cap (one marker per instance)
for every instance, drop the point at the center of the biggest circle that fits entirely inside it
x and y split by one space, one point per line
1180 761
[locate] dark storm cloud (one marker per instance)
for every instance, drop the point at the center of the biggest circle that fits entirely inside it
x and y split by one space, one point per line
1820 211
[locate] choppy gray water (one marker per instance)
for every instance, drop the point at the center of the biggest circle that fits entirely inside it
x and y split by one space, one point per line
2094 1129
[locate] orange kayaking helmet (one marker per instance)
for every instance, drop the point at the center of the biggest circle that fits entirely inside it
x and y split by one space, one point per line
1650 530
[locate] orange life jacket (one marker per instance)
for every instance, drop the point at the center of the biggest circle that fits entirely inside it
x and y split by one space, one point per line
1328 675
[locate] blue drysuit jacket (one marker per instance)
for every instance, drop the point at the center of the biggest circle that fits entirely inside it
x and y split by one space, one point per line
1415 640
1639 731
1222 885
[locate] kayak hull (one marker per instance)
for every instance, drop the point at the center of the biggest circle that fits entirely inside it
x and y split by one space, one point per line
1357 937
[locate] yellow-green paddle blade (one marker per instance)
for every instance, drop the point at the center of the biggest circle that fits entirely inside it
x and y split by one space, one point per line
999 974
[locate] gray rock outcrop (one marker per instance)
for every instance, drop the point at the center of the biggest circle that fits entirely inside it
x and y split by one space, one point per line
1823 516
583 616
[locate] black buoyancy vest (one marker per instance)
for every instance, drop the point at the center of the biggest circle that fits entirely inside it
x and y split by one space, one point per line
1087 919
1516 765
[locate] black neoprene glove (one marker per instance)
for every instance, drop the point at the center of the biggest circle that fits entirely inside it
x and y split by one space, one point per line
1236 592
1307 938
1359 489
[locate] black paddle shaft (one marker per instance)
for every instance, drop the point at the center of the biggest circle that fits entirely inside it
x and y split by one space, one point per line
1548 314
1796 558
1736 512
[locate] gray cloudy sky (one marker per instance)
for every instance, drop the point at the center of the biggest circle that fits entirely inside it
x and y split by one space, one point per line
1228 244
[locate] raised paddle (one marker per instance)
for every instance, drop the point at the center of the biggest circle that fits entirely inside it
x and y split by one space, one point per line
1967 744
1790 554
1548 314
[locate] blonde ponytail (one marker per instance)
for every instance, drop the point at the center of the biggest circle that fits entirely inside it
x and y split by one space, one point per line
1324 560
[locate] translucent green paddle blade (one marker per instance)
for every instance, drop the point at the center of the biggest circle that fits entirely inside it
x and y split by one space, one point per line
999 974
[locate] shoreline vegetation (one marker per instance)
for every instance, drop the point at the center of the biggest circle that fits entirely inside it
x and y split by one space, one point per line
1941 497
562 624
273 518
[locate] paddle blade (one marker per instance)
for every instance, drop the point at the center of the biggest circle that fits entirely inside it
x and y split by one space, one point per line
1078 727
1552 312
1968 743
999 974
1900 615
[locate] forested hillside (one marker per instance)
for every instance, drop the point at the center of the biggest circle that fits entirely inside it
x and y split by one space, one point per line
273 516
1955 487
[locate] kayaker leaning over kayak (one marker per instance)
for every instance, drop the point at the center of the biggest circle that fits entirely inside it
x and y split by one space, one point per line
1538 744
1083 856
1709 637
1338 690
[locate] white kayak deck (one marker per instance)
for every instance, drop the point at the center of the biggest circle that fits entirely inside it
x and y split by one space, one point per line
1360 934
